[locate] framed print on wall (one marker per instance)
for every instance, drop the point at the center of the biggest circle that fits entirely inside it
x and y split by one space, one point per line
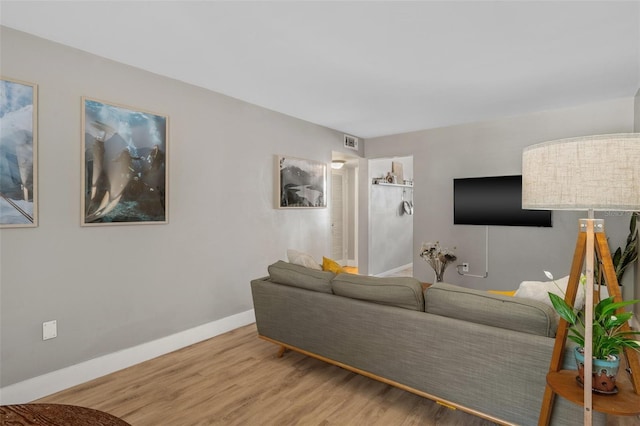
125 165
301 183
18 154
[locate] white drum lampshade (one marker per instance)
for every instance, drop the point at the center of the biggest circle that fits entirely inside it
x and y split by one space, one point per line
592 172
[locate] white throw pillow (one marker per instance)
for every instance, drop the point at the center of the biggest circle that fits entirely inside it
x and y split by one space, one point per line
302 259
538 290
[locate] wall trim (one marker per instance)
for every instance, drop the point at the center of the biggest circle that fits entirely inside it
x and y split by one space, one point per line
55 381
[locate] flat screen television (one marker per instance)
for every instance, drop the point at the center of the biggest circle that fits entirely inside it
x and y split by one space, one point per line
495 200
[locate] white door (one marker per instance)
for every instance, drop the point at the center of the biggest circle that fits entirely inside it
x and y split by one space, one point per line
338 222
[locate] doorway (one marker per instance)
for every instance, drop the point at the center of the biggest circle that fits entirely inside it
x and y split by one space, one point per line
339 226
344 210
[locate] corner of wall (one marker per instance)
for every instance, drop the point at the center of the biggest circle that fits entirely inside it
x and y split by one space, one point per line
636 128
636 287
636 112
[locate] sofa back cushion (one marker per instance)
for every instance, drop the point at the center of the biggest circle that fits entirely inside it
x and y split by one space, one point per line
513 313
299 276
403 292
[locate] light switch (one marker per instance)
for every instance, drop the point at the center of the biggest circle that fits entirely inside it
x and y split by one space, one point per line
49 330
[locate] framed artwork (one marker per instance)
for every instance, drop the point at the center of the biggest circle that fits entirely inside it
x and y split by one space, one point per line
125 165
301 183
18 154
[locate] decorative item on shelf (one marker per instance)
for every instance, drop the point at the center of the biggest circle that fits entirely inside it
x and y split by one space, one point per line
437 257
599 172
397 171
608 338
391 178
408 182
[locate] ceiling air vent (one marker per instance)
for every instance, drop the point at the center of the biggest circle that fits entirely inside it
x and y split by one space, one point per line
351 142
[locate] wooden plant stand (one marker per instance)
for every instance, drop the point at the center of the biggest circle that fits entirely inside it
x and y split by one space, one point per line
563 382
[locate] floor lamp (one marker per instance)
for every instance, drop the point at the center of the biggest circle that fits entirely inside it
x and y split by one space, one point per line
584 174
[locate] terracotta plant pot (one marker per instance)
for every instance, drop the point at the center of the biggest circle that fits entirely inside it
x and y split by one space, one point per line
604 373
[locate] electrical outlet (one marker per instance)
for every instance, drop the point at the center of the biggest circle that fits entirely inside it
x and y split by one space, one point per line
49 330
465 267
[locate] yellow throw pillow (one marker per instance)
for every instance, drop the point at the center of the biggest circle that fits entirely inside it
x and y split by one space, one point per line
504 293
331 265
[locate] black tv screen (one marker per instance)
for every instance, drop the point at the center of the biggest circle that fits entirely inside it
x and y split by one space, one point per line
494 201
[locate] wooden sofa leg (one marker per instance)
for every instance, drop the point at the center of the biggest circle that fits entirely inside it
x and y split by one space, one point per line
281 351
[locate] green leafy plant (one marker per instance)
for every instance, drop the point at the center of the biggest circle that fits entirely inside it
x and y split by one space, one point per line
622 259
608 338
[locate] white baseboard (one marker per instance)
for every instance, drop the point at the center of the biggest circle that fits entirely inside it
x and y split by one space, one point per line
55 381
394 270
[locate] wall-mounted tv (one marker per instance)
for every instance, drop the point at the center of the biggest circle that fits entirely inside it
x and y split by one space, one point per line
494 200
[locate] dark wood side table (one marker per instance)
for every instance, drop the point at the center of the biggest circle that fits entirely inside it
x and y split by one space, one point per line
55 415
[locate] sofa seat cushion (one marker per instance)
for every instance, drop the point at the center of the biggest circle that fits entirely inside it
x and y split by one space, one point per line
513 313
403 292
298 276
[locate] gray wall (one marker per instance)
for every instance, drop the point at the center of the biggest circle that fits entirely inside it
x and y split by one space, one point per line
390 231
114 287
489 149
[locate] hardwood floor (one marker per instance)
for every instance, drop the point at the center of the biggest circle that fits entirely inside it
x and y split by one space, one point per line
237 379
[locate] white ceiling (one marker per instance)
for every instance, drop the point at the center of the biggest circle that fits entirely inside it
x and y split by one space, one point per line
365 68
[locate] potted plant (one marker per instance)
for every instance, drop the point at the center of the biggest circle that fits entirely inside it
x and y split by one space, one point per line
622 259
437 257
608 340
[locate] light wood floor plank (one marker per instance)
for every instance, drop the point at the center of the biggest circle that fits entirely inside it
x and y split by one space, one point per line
237 379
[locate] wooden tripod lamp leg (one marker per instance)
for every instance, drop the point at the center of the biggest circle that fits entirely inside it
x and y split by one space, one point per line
563 329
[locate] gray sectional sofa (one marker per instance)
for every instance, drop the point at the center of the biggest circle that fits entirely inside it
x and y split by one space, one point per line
479 352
